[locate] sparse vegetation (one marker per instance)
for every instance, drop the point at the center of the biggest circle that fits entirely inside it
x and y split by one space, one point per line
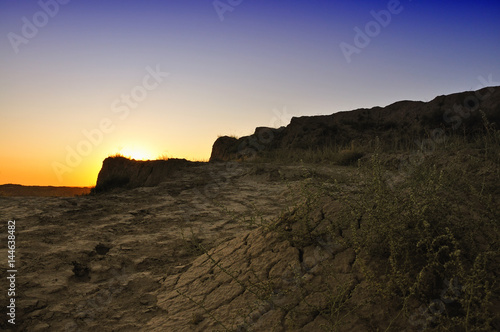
430 230
163 156
425 239
343 156
229 135
118 155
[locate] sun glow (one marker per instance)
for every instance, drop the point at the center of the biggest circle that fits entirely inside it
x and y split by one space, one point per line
136 153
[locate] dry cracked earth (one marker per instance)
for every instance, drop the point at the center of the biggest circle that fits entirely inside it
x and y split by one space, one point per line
195 253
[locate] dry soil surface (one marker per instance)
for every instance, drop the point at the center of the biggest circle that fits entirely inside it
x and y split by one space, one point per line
150 258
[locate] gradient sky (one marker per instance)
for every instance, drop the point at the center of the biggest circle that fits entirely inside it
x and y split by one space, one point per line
266 61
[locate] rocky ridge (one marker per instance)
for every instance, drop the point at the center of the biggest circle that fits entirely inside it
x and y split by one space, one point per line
400 121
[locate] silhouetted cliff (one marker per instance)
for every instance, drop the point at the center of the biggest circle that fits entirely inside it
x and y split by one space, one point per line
123 172
404 121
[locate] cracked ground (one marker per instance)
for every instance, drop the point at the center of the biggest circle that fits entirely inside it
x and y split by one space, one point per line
193 253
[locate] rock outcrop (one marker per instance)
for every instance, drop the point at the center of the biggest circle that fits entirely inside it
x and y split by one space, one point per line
224 148
228 148
402 121
123 172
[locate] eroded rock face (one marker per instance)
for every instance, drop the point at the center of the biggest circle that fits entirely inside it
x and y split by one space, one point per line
123 172
225 148
228 148
404 120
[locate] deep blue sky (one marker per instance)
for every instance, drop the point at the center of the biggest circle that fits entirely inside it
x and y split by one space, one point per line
225 77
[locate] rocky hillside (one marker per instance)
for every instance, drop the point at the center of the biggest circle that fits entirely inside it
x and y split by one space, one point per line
403 121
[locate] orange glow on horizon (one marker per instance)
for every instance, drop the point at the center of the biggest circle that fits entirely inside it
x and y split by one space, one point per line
20 168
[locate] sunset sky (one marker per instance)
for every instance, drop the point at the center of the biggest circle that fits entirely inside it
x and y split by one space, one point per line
82 80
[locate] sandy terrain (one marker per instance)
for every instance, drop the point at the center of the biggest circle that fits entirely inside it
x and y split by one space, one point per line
14 190
108 262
